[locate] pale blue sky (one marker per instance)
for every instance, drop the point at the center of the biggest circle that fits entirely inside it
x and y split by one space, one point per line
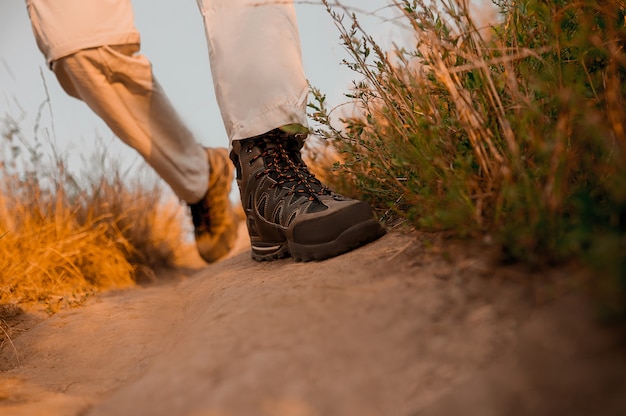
173 38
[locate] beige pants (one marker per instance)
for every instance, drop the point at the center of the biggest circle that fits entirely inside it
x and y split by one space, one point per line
254 50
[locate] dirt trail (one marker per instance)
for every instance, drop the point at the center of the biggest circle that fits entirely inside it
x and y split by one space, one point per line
394 328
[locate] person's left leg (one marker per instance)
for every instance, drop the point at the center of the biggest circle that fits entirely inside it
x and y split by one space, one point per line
261 89
256 64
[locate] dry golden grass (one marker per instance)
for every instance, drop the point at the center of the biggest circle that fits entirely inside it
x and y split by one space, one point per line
63 239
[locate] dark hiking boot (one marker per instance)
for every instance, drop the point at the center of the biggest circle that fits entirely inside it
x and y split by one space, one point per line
288 211
214 221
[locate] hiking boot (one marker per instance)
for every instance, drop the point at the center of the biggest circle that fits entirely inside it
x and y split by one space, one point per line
289 211
214 221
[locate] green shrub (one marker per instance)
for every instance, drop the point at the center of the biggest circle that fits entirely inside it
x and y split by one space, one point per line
518 131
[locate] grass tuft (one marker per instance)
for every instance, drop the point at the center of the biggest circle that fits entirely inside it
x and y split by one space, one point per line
63 238
516 130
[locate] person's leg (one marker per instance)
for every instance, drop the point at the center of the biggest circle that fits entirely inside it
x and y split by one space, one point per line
256 63
119 86
261 89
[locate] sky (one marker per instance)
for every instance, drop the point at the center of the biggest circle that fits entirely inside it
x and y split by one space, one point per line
173 39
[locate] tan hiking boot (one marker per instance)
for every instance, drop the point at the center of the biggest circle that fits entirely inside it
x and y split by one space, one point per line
214 220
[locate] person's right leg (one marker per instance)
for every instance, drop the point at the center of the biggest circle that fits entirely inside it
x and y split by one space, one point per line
261 89
119 86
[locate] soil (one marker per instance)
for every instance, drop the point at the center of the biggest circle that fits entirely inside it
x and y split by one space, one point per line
408 325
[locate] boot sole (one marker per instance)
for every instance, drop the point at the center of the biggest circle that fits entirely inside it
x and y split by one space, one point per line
351 238
269 252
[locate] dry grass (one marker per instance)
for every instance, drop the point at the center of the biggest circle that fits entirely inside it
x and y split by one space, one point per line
65 238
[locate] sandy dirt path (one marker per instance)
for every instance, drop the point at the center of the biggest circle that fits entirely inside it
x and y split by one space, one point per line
395 328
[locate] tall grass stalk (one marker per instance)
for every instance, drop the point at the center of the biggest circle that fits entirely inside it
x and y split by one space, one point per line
517 131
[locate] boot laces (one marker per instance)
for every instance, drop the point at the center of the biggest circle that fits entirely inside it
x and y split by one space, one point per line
284 165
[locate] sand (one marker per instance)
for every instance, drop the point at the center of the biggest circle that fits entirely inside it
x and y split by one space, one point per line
408 325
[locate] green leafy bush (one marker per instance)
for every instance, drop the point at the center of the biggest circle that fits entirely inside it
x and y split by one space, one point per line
517 131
